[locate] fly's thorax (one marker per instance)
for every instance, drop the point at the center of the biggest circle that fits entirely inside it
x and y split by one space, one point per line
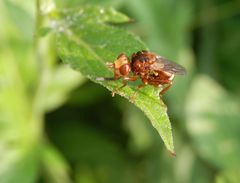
141 61
143 57
136 66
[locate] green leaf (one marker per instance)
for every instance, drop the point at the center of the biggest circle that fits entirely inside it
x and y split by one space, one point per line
86 42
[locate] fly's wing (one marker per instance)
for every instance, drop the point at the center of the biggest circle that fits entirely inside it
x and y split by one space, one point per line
166 65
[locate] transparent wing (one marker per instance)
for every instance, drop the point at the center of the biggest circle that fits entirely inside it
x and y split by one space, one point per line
164 64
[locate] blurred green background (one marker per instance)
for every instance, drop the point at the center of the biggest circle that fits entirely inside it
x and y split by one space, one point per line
58 127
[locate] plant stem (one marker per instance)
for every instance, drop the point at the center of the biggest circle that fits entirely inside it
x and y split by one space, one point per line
37 106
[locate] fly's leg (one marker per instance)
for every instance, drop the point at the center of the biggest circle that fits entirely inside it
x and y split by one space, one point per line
166 83
144 83
116 76
118 89
110 65
132 99
165 89
124 82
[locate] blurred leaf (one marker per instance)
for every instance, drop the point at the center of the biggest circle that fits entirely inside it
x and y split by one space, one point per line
217 41
55 166
63 81
213 123
20 44
228 176
188 168
19 132
20 122
85 42
18 164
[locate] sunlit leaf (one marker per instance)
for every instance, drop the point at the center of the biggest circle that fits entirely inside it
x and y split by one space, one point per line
86 42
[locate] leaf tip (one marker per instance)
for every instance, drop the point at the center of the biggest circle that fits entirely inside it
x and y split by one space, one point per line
173 153
131 20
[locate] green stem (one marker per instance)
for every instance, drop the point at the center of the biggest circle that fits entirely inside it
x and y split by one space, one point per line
39 59
37 106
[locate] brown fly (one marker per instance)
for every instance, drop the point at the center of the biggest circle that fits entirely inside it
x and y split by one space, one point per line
152 69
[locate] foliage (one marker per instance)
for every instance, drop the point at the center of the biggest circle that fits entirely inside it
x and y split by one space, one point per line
57 125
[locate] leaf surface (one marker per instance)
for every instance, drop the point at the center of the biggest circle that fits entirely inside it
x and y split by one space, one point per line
86 41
